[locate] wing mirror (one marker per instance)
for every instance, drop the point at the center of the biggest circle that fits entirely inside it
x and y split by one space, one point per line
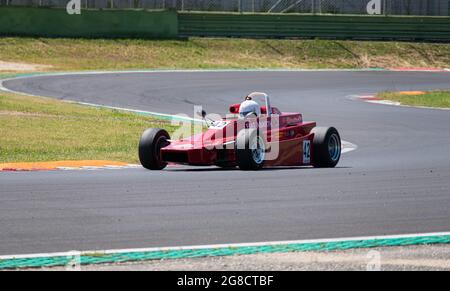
205 119
202 113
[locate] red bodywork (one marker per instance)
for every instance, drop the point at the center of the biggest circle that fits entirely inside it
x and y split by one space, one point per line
214 146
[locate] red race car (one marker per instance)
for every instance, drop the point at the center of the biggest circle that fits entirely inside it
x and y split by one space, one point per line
253 137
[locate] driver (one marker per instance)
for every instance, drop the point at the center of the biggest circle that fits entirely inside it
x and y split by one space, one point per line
249 108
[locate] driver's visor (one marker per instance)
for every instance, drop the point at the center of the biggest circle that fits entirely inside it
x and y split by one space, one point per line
245 113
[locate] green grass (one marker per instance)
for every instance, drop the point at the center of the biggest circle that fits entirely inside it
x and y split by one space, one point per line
205 53
39 129
438 99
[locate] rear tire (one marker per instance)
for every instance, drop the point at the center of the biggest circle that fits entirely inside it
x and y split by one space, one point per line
150 145
250 150
326 147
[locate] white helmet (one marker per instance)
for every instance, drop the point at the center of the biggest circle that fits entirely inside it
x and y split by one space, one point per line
249 107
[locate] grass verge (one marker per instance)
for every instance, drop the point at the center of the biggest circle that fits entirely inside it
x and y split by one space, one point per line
205 53
38 129
436 99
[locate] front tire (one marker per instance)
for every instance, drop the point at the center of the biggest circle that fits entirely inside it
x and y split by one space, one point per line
150 145
250 150
327 148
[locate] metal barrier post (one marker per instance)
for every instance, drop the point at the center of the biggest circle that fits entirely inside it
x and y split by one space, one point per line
274 6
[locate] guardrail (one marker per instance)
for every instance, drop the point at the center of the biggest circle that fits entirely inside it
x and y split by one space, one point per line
319 26
47 22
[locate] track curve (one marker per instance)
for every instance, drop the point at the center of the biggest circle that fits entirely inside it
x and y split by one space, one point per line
397 182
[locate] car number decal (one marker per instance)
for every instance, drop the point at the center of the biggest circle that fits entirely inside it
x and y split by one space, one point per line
306 152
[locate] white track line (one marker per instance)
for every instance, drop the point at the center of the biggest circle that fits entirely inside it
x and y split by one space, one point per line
384 102
366 98
348 147
170 116
418 70
221 246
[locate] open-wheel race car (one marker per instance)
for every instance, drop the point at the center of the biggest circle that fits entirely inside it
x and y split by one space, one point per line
255 136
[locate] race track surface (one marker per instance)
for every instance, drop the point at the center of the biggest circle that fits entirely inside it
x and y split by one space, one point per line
397 182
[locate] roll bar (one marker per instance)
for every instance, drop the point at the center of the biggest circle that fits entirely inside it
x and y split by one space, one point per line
266 99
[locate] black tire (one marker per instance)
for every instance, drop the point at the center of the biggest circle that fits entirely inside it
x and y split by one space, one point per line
326 147
244 154
150 145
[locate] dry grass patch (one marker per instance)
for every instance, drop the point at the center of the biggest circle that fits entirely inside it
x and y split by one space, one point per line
206 53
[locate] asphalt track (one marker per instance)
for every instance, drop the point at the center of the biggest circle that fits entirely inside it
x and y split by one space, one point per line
397 182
